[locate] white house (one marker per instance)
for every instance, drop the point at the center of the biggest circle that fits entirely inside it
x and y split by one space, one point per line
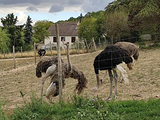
68 32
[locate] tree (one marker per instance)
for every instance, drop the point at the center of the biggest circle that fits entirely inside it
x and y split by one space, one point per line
9 20
4 41
41 30
143 15
87 29
14 32
28 31
116 26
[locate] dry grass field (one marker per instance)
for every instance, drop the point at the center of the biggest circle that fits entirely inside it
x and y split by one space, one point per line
144 79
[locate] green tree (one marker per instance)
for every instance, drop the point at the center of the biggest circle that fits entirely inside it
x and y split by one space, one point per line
4 41
28 31
116 26
14 32
87 29
143 15
9 20
41 30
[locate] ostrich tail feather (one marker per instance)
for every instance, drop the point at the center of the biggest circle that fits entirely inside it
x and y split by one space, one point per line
123 73
51 90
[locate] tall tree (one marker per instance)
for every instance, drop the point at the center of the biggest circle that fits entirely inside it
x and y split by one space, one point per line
9 20
116 26
28 33
14 32
143 15
4 41
41 29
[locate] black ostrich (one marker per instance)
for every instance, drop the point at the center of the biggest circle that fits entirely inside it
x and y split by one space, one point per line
108 59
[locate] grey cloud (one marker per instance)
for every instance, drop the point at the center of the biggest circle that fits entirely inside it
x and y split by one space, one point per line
17 2
95 5
56 8
32 9
87 5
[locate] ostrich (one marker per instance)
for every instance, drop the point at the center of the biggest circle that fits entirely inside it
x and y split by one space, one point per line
68 70
41 50
108 59
49 66
133 51
46 65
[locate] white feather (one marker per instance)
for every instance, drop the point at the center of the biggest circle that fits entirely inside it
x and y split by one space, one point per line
123 73
51 90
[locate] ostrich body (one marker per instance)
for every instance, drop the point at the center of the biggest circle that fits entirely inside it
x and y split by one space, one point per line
133 50
68 70
108 59
49 65
46 65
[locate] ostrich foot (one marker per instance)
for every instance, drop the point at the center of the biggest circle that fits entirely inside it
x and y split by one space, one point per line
108 98
115 97
95 89
101 81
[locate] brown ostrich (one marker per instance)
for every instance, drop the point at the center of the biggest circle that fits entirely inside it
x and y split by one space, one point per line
49 66
133 50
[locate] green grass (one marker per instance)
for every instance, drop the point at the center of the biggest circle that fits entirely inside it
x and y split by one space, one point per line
80 108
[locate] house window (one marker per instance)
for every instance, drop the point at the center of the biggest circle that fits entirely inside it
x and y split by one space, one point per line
54 39
73 39
62 39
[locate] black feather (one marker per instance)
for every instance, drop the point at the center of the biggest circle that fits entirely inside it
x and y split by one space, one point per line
110 57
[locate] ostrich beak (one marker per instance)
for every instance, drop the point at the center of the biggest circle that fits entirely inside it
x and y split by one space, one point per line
51 90
130 66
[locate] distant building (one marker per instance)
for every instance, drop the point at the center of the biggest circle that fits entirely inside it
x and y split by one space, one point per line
68 32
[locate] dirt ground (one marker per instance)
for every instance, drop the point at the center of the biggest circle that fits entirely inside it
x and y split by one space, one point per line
144 79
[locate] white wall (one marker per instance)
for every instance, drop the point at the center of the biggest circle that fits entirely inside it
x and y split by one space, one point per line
67 39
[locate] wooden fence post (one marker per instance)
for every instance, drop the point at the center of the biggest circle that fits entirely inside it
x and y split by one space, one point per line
21 51
14 62
59 62
35 53
51 47
4 53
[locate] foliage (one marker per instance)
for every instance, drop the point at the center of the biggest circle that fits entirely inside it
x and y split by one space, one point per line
28 31
40 29
4 41
3 115
9 20
87 29
116 26
143 16
14 32
80 108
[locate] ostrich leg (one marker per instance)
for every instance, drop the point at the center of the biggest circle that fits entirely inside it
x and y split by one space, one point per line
115 77
111 83
97 76
105 74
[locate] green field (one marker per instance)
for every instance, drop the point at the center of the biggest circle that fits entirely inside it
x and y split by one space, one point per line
80 108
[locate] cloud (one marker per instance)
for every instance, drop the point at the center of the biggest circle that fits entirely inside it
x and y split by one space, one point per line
56 8
95 5
56 5
32 9
22 18
20 2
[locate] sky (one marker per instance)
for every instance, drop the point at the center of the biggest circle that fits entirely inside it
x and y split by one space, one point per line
52 10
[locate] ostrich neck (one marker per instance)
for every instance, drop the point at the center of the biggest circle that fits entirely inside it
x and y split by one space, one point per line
68 58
